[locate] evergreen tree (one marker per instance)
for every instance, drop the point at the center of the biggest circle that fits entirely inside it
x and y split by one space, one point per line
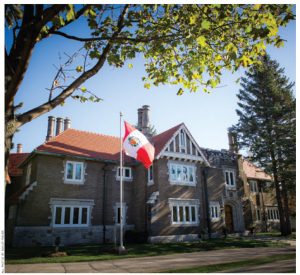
267 127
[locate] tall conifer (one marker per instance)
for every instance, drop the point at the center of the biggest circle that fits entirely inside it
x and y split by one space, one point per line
267 127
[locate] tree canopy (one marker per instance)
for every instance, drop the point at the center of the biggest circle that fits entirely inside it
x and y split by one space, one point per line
188 45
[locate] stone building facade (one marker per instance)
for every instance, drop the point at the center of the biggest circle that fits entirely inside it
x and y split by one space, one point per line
70 189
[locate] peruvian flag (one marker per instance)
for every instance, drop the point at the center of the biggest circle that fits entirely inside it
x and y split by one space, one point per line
136 145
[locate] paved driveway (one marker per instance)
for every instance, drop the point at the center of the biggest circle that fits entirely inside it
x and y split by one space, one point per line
152 264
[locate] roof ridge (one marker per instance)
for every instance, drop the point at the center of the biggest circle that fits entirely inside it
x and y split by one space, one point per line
94 133
170 129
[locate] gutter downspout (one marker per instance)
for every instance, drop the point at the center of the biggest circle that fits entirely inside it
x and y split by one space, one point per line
206 203
103 204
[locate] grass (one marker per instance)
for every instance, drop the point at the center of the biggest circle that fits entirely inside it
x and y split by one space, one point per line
98 252
276 234
233 265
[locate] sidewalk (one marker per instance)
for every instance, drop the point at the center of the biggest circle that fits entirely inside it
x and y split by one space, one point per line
152 264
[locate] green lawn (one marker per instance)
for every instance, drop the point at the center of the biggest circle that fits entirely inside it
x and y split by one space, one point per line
233 265
99 252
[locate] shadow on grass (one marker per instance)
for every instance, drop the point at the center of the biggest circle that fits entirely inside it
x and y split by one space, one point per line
106 251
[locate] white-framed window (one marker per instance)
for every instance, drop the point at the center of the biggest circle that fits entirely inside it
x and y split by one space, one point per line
214 210
230 178
182 141
182 174
273 214
74 172
127 173
184 212
28 174
117 213
253 186
150 175
71 212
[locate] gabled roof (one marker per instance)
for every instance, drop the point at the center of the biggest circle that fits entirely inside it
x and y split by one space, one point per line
161 139
15 159
253 172
83 144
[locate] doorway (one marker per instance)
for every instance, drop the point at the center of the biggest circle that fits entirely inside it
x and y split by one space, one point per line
228 218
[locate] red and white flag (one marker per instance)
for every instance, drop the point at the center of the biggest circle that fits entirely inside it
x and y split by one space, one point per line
136 145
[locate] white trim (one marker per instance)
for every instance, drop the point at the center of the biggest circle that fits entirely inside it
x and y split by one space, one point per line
233 172
187 217
201 156
74 180
63 204
251 182
28 173
214 210
130 178
191 171
124 210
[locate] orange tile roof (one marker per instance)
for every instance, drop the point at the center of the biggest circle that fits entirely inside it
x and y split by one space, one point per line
253 172
15 159
160 140
84 144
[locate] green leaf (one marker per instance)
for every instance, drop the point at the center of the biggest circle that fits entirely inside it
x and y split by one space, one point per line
201 40
130 66
79 69
70 14
83 89
147 85
180 91
205 24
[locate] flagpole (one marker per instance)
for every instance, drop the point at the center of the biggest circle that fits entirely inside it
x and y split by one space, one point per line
121 248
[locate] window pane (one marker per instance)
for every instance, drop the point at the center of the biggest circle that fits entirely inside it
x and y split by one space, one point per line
58 211
173 172
191 174
212 212
184 174
69 170
193 208
216 212
127 172
227 178
119 215
187 214
175 218
67 215
84 215
231 179
119 174
75 215
78 171
179 171
150 173
181 213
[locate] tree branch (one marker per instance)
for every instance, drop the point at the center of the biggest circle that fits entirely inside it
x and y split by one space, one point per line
46 107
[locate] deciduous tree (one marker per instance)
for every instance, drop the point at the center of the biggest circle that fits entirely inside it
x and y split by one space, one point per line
189 45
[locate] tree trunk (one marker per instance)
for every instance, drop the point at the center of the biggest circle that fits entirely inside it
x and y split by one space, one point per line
288 229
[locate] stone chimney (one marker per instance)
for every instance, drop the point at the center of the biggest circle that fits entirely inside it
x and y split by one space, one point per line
67 123
19 148
59 125
50 130
140 119
145 120
232 140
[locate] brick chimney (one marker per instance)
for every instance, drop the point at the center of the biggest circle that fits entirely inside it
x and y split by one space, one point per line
140 119
67 123
145 120
19 148
50 130
59 125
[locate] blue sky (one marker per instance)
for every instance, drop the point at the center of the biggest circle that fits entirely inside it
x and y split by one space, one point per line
207 116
